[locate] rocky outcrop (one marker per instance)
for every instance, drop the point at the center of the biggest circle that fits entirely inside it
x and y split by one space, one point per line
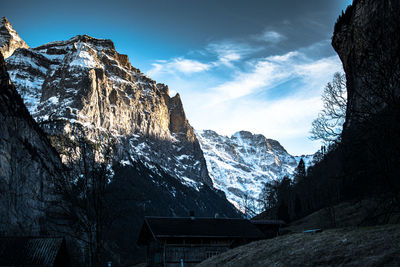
367 41
28 164
9 39
240 165
85 80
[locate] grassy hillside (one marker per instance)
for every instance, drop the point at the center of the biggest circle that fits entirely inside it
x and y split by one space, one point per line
366 246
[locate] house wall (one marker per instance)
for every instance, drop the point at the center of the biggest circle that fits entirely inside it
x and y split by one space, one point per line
154 254
191 254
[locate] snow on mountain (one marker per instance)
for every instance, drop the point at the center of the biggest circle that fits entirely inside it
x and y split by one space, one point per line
240 165
85 81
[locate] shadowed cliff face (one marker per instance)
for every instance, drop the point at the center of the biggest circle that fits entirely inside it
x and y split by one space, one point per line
28 164
84 80
367 41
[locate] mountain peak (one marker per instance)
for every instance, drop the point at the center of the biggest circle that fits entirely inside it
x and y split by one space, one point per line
9 39
241 164
88 39
244 134
96 43
3 21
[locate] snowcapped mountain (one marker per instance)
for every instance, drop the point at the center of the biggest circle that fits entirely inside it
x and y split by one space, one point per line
240 165
84 80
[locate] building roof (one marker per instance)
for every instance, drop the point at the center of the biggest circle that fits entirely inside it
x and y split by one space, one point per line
172 227
29 251
268 222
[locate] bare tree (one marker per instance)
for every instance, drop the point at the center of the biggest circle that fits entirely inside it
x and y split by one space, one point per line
329 124
81 208
248 205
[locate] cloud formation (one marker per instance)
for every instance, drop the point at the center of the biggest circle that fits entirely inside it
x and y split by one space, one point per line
236 87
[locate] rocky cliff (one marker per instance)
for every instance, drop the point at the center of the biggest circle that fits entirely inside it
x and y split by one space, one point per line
85 80
28 164
9 39
240 165
367 40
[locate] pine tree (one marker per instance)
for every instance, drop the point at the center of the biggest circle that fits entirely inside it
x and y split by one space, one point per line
300 172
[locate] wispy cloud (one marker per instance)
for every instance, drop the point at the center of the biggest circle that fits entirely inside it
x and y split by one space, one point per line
263 74
214 55
229 51
175 65
270 37
268 73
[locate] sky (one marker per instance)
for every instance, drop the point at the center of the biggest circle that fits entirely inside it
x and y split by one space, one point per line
259 66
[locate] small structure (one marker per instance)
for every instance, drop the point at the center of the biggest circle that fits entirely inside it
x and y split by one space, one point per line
189 241
312 231
270 228
33 251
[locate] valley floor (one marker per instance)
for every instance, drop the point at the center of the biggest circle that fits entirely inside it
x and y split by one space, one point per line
366 246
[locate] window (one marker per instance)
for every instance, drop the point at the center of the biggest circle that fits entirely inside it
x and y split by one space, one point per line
210 254
157 258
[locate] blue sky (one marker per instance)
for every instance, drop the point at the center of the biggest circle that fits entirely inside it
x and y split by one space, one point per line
238 65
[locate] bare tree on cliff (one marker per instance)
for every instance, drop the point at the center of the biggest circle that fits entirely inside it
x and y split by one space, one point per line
329 124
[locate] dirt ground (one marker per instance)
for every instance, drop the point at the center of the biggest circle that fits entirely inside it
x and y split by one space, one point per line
364 246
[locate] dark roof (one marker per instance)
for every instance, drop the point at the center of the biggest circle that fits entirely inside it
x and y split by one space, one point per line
165 227
29 251
268 222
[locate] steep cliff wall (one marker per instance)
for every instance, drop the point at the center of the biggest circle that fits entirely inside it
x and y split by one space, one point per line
28 164
367 41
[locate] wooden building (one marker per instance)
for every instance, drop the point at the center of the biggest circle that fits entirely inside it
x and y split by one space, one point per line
174 242
33 252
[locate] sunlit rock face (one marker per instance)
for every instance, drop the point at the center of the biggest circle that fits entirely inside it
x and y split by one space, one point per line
28 165
9 39
367 41
84 80
240 165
